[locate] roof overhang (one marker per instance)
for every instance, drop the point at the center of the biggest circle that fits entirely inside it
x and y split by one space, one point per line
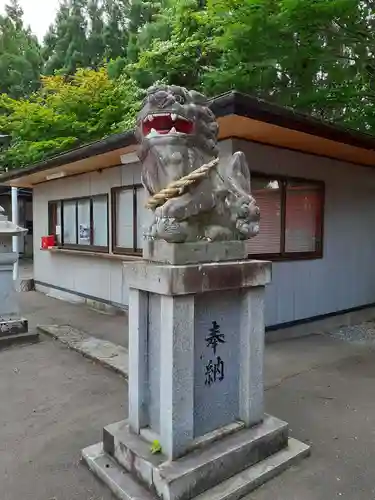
91 157
239 116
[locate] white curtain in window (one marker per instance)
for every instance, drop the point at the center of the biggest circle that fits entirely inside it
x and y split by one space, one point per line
124 218
70 223
58 223
100 221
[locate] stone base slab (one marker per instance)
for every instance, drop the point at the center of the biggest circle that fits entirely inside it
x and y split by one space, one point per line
10 327
166 279
197 471
16 331
124 487
7 259
237 462
121 484
193 253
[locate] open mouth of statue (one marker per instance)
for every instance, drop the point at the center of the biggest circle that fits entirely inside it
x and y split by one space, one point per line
166 123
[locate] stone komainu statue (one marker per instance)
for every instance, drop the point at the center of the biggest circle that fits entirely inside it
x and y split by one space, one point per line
194 196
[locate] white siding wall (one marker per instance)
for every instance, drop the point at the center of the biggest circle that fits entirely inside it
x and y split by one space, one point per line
92 276
345 277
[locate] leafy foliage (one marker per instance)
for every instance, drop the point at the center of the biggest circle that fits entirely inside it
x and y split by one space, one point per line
156 447
177 47
312 55
20 59
307 54
67 44
66 113
316 56
86 33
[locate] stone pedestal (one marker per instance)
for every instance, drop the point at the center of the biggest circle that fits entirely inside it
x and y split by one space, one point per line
195 383
13 328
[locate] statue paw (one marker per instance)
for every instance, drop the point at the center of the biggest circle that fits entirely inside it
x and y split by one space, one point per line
216 233
175 208
249 209
247 216
171 230
247 229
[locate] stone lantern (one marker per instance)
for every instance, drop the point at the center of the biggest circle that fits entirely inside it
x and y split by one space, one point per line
13 328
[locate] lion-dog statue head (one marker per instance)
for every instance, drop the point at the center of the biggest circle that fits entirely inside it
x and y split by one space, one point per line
177 133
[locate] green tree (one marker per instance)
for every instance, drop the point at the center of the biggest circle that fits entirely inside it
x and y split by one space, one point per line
140 22
313 55
177 47
96 45
20 60
86 33
115 28
64 113
66 43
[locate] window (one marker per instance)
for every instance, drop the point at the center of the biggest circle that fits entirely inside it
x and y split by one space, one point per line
128 216
80 223
69 225
54 220
291 218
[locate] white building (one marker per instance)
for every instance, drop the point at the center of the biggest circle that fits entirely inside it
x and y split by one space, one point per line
314 183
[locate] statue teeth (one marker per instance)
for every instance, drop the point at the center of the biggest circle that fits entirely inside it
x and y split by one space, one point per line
174 117
154 132
173 131
150 118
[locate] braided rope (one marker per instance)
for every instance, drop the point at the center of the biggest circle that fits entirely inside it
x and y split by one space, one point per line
177 188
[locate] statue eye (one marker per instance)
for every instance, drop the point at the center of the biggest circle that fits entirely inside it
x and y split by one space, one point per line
179 99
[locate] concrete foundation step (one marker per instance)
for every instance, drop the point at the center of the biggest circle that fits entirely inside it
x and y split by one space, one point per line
118 481
250 479
204 467
124 487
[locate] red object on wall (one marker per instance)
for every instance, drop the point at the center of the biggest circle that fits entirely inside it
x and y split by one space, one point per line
48 242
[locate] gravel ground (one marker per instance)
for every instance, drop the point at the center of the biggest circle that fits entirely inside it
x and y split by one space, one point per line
362 334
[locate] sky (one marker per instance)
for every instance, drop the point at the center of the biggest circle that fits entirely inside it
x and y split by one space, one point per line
39 14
